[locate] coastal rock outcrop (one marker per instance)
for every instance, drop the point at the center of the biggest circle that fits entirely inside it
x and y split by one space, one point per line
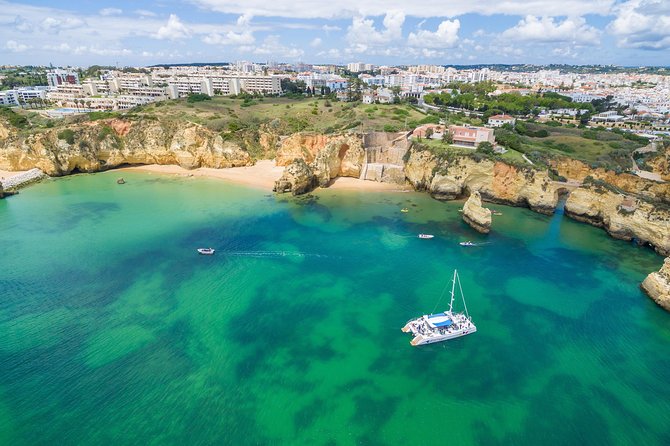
497 182
300 145
478 217
105 144
623 217
657 285
341 156
420 169
297 178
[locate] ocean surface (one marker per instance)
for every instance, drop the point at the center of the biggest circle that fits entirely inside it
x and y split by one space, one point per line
113 330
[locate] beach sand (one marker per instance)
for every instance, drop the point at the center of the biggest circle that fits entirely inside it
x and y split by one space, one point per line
261 175
8 173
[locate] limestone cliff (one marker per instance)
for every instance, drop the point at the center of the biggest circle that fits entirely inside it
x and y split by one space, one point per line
341 156
100 145
660 163
657 285
297 178
420 168
497 182
300 145
478 217
576 170
623 217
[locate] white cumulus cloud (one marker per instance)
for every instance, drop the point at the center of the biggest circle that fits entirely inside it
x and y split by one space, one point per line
445 36
547 29
642 24
173 30
362 31
15 47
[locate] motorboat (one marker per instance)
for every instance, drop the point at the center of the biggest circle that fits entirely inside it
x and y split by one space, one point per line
426 236
468 243
206 251
438 327
404 210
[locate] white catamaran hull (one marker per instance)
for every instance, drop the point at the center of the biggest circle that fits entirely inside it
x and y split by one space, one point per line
423 340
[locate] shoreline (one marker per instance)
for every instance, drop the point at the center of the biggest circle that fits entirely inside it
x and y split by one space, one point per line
261 175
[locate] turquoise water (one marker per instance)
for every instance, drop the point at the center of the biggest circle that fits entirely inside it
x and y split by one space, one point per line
114 331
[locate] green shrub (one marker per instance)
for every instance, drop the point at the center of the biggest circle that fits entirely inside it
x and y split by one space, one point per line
390 128
15 119
66 135
198 97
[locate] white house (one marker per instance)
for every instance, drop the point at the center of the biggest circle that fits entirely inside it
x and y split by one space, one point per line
500 120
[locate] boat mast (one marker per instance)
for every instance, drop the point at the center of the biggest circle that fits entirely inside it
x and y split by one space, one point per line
453 287
463 297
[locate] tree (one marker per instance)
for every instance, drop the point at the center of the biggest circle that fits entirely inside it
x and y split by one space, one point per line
485 147
447 137
429 133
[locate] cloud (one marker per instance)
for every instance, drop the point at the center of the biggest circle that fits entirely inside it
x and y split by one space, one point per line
316 42
643 24
546 29
445 36
23 25
425 9
363 33
15 47
54 26
110 11
330 28
145 13
173 30
243 37
271 46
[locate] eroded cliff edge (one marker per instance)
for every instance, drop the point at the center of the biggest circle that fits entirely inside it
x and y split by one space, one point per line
105 144
657 285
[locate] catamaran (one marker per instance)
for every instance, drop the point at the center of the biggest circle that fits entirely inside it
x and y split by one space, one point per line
438 327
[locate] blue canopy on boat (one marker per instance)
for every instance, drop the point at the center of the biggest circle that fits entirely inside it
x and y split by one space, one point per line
444 323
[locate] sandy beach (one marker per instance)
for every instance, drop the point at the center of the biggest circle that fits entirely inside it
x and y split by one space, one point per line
4 174
261 175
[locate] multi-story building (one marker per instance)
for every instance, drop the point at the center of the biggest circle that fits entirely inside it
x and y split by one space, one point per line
58 77
500 120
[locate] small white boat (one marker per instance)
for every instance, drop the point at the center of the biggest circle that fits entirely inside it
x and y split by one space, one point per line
426 236
431 328
404 210
468 243
206 251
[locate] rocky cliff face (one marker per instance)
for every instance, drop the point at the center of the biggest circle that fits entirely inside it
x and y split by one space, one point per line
305 146
100 145
660 164
478 217
341 156
578 171
297 178
657 285
497 182
420 169
624 218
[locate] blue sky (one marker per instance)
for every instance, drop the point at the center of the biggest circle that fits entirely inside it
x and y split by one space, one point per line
144 32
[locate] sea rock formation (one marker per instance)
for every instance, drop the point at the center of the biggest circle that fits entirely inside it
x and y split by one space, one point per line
657 285
623 217
497 182
341 156
297 178
478 217
104 144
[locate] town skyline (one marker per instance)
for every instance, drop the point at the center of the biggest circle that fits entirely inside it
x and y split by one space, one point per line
604 32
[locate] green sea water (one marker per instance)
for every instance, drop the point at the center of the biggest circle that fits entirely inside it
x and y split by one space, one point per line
113 330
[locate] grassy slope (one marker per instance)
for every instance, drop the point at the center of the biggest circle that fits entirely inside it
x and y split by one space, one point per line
308 114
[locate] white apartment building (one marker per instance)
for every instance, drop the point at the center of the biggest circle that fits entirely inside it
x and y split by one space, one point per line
58 77
357 67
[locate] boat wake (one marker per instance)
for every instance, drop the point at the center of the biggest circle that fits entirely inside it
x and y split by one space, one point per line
264 254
